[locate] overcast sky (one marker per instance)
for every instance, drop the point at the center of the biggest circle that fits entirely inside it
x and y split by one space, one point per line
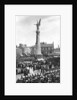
26 30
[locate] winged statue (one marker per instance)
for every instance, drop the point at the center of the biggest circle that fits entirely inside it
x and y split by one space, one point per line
38 24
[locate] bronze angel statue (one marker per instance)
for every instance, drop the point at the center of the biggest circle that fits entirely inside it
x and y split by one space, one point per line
38 24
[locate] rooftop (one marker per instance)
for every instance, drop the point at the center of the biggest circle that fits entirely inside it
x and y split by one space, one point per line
43 44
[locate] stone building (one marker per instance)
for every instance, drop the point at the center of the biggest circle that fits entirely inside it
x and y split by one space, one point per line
18 52
45 48
22 50
57 51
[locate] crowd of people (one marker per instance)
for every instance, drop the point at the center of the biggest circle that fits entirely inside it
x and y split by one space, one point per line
47 71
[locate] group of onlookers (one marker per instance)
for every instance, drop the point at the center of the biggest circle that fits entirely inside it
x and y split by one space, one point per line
40 72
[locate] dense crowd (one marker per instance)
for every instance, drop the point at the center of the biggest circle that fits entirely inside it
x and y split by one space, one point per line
47 71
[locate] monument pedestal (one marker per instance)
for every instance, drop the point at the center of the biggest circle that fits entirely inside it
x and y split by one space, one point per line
39 57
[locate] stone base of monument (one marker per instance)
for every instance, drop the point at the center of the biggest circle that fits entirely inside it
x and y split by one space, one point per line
39 57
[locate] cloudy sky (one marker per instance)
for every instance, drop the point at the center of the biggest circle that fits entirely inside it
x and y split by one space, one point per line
26 29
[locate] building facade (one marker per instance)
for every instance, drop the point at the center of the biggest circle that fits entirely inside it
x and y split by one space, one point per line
45 48
22 50
18 52
57 51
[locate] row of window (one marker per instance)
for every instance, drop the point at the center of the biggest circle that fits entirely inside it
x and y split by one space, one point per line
46 48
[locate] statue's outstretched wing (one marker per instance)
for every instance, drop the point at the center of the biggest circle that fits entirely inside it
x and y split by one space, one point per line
39 21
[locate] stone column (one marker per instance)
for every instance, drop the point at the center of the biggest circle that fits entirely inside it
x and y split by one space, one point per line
38 47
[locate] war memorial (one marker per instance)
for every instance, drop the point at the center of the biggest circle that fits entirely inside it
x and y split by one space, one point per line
38 67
